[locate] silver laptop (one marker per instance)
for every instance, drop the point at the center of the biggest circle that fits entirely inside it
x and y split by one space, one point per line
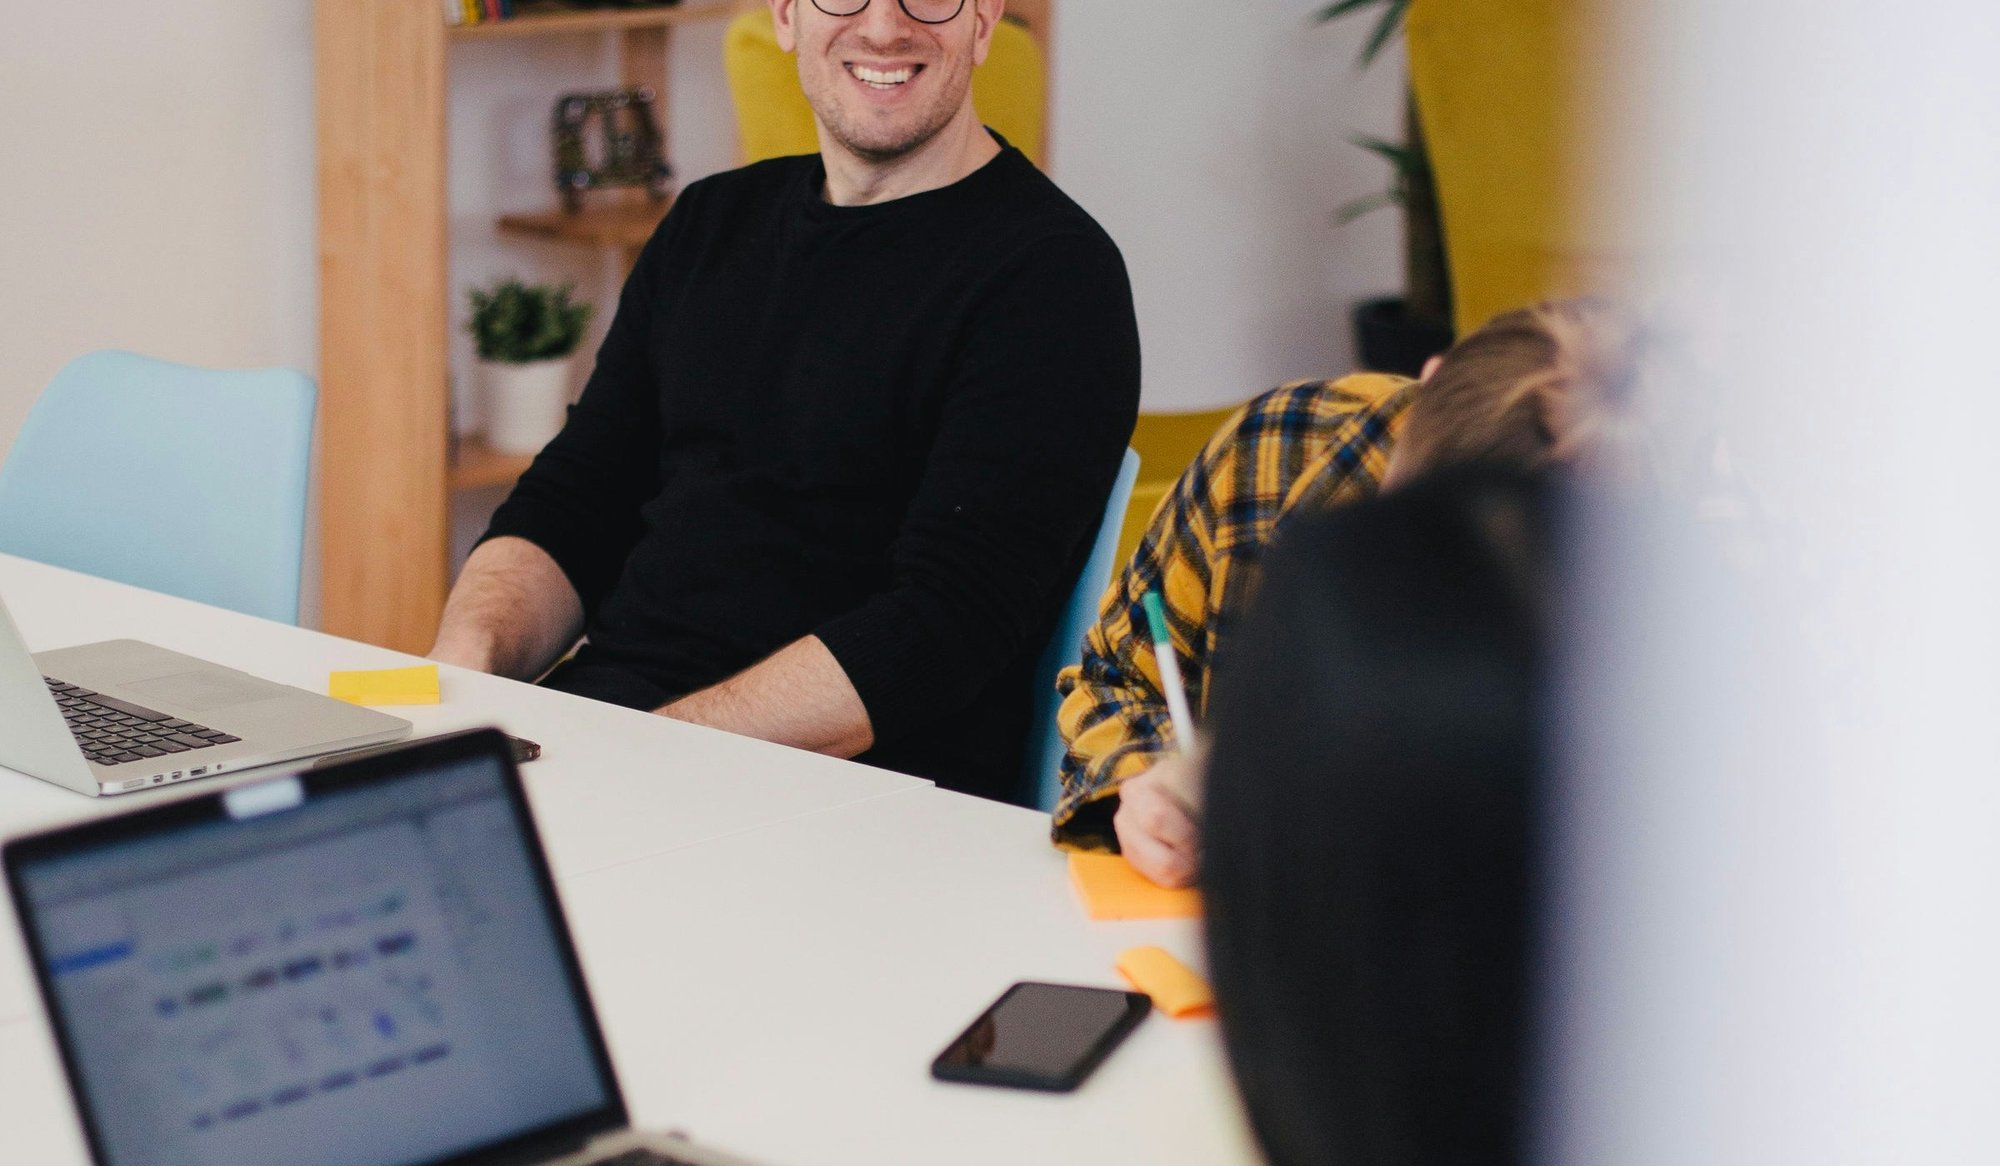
363 965
122 715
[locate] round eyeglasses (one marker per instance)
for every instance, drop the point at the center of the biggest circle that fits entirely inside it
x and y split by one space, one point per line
921 11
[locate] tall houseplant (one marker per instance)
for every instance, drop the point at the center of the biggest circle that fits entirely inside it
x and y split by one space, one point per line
1399 333
525 336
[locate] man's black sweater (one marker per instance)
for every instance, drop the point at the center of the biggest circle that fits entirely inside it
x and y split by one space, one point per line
893 427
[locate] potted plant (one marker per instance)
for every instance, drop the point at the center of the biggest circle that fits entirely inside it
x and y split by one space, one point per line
525 335
1398 333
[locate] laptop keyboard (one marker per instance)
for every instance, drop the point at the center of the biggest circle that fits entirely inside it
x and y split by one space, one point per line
113 731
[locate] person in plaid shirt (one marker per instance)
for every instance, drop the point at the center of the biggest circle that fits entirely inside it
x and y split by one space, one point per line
1529 388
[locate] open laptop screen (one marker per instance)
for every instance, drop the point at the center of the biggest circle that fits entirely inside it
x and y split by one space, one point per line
352 973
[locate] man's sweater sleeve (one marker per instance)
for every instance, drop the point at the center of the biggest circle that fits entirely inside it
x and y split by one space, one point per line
581 497
1028 441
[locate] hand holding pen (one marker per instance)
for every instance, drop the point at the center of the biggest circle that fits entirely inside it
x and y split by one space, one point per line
1156 823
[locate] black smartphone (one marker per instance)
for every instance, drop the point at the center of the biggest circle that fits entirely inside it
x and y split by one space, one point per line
1042 1036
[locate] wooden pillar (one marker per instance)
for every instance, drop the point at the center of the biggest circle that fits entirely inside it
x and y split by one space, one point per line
383 425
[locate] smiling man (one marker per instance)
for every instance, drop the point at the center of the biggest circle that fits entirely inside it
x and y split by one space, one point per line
851 430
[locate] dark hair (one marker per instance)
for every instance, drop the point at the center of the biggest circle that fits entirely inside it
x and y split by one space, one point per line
1369 856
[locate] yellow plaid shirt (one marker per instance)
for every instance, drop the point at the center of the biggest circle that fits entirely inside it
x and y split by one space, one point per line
1300 446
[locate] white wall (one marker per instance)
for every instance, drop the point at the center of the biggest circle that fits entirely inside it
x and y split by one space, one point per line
1210 139
159 186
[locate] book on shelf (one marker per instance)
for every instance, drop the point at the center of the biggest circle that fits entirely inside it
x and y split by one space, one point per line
463 12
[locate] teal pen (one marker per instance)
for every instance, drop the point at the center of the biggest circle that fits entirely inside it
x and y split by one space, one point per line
1170 672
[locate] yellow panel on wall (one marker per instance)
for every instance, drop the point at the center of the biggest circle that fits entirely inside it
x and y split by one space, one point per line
1509 98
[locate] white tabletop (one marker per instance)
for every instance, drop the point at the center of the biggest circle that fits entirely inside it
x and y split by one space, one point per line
34 1103
793 1018
613 784
777 943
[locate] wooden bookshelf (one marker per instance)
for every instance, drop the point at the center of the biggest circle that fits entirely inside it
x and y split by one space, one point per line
381 75
478 466
548 19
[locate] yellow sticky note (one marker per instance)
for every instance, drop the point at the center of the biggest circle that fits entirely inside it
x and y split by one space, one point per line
1176 989
1111 889
417 685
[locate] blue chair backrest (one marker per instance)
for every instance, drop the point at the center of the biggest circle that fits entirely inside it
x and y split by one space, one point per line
184 480
1065 647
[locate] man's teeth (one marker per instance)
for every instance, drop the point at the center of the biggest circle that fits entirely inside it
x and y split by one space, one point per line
878 77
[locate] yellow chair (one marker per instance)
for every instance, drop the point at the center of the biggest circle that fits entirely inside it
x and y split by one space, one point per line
1509 105
773 119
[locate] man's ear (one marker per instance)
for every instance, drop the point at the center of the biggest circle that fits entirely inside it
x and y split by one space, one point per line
985 16
783 12
1430 367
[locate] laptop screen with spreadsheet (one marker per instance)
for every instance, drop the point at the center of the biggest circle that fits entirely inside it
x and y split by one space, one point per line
339 969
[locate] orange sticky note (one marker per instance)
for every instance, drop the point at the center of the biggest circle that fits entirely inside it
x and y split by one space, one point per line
417 685
1176 989
1111 889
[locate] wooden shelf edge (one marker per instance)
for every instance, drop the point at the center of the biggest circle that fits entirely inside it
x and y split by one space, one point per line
623 225
476 465
547 22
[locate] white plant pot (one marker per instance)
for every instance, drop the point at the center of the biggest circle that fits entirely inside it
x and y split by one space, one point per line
525 403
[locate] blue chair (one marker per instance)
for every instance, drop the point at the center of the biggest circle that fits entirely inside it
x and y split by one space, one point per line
183 480
1065 647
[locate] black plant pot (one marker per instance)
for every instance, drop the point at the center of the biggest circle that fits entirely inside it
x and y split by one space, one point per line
1390 341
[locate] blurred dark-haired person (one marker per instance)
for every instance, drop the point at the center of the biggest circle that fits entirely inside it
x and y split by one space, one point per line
1372 857
1529 388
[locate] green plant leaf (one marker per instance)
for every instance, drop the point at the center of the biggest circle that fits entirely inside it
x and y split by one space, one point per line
1399 156
1386 25
1341 8
1385 30
1367 204
517 323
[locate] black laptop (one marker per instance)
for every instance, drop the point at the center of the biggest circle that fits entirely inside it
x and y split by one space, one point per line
365 965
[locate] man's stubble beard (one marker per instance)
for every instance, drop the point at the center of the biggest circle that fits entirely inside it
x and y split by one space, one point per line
890 151
833 117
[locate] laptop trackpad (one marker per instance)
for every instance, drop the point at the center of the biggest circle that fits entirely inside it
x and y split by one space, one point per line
201 691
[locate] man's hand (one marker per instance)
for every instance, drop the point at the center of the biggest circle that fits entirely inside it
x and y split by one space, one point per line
1156 832
512 612
799 696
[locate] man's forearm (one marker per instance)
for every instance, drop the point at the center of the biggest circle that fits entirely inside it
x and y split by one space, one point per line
799 696
512 612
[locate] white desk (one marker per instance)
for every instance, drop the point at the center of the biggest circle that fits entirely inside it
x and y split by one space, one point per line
612 785
777 943
783 992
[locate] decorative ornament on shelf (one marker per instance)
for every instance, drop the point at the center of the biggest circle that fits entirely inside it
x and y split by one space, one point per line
526 336
630 148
